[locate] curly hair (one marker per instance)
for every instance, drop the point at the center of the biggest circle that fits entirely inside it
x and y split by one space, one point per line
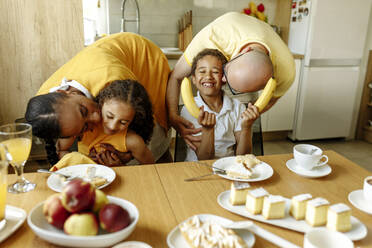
133 93
205 52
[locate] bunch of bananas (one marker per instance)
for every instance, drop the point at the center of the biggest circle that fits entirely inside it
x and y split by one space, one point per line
256 11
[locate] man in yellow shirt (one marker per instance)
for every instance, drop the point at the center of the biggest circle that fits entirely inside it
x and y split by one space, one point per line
116 57
255 53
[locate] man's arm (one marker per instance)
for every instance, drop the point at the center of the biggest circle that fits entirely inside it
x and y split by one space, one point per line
184 127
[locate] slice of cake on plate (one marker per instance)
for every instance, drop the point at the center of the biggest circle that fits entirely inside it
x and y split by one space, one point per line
298 206
238 192
316 211
200 234
248 160
254 201
338 217
273 207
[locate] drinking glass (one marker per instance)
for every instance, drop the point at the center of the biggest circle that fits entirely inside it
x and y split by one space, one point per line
3 183
17 137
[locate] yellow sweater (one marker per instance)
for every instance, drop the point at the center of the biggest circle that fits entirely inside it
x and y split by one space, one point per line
117 57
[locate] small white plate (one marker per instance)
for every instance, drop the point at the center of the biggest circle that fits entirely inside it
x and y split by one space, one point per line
261 171
14 219
320 171
357 199
40 226
54 181
175 238
132 244
358 229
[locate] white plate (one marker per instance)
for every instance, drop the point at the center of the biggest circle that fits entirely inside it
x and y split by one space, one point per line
176 240
14 219
39 225
320 171
261 171
132 244
54 181
357 199
358 229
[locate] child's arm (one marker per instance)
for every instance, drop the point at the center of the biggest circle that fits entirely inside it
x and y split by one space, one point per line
138 148
244 137
205 150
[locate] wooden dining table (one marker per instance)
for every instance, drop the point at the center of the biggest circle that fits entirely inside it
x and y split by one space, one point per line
164 199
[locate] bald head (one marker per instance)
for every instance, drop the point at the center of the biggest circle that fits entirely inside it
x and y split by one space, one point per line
250 72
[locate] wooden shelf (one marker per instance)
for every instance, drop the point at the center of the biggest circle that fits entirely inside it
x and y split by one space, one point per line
369 104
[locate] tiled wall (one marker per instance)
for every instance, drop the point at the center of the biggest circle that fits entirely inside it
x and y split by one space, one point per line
158 18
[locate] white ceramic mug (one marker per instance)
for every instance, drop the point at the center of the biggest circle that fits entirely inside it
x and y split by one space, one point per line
324 238
367 189
309 156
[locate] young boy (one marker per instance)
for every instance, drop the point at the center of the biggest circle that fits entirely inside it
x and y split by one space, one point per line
226 123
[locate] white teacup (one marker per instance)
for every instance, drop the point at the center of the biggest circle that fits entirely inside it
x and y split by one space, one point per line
324 238
309 156
367 190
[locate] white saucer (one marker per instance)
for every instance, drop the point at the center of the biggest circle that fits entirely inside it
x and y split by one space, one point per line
357 199
320 171
14 219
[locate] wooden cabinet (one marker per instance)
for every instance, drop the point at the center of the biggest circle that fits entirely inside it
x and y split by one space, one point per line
281 116
364 130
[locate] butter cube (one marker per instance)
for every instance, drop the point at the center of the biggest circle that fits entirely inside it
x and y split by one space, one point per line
273 207
254 201
298 206
338 217
238 193
316 211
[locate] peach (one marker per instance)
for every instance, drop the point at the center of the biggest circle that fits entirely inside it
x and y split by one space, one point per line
84 224
78 195
54 211
113 217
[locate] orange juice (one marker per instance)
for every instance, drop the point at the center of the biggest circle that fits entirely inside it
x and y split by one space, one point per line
19 148
2 199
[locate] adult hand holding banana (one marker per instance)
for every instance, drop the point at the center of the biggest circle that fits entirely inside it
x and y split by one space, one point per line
188 98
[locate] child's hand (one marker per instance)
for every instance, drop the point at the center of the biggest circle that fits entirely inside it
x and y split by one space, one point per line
249 116
206 120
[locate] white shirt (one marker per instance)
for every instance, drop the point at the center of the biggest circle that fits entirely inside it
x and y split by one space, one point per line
228 121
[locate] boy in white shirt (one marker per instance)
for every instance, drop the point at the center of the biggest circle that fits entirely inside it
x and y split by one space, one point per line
226 123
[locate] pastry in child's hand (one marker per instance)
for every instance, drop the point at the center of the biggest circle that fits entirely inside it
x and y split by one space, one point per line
200 234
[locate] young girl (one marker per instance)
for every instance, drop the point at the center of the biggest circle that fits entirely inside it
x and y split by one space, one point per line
127 123
226 123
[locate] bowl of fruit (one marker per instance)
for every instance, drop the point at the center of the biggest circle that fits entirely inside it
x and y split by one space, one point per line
83 216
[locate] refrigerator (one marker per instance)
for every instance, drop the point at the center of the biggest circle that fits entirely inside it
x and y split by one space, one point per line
331 35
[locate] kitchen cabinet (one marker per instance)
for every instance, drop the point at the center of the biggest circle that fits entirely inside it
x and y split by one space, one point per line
281 116
364 129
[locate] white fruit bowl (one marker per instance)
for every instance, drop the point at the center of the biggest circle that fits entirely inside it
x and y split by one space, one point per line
39 225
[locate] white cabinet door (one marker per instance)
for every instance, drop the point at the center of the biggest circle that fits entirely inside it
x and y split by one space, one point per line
280 117
326 102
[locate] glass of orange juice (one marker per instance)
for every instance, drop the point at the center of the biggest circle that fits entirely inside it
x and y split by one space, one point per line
17 137
3 184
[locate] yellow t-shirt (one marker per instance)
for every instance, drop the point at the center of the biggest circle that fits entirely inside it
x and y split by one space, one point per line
117 57
232 31
93 139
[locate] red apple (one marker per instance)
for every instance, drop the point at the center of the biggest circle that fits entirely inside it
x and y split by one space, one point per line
113 217
54 211
261 7
101 200
84 224
78 195
247 11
